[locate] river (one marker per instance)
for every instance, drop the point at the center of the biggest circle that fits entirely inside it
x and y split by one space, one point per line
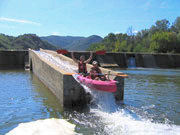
151 104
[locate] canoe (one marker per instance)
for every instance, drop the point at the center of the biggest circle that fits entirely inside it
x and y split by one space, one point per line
108 86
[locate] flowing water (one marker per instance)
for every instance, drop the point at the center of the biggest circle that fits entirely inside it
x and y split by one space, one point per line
151 104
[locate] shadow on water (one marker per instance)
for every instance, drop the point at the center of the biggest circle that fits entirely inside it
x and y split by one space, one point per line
46 97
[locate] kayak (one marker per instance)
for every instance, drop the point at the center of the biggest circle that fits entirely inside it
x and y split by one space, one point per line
108 86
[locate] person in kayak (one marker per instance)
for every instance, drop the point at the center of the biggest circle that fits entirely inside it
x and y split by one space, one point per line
82 63
96 73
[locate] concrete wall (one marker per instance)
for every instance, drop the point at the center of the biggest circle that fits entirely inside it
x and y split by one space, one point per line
66 89
63 86
13 59
142 60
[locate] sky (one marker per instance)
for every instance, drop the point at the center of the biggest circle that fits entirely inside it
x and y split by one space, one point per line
83 17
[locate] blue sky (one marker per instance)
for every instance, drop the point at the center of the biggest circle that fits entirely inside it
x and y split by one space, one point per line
83 17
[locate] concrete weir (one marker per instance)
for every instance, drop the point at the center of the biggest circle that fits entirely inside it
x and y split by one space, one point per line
145 60
68 91
13 59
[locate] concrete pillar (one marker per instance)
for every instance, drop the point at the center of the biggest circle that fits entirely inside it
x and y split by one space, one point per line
119 94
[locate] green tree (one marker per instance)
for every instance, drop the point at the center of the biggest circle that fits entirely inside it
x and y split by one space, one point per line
117 46
176 25
123 46
160 25
138 48
163 42
160 38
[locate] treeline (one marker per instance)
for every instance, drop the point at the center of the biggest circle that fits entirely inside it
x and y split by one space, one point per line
23 42
160 38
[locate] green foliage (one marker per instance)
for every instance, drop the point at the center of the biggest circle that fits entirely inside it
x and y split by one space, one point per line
163 42
23 42
160 38
96 47
176 26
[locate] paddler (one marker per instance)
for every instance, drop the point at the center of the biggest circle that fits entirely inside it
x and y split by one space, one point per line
96 73
82 63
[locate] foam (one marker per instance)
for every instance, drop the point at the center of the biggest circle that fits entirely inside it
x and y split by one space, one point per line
44 127
66 66
118 120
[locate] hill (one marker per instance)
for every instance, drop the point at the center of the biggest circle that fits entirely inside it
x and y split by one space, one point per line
23 42
72 42
84 44
61 41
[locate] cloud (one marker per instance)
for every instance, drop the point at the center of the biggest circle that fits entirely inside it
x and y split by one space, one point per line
117 32
19 21
55 33
135 31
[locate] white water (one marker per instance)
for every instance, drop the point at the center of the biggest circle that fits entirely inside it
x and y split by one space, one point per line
66 66
44 127
116 119
131 62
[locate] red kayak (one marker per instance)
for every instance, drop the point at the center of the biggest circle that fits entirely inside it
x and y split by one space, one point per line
108 86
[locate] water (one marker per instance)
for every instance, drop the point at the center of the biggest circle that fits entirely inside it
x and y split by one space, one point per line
131 62
151 104
154 93
24 98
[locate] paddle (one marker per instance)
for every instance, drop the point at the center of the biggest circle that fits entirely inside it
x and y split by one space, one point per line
63 51
118 74
101 52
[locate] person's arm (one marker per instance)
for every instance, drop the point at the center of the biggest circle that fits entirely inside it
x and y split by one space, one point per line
74 59
90 58
100 72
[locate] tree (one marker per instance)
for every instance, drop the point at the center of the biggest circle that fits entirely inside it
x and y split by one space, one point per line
123 46
160 38
177 49
117 46
138 48
110 38
160 25
176 26
163 42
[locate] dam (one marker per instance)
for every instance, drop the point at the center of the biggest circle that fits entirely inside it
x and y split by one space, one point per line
143 60
67 90
54 74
